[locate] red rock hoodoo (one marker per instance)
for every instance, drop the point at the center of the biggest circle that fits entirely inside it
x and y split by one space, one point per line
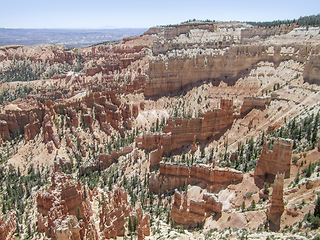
63 211
277 204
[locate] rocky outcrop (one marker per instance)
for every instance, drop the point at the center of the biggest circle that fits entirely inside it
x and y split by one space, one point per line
187 214
115 210
4 129
173 73
63 211
185 131
104 160
311 71
191 212
30 130
273 161
277 204
21 117
143 221
156 156
7 226
107 159
172 176
212 203
254 102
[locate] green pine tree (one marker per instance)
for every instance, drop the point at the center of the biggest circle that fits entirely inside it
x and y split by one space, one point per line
253 205
243 206
317 208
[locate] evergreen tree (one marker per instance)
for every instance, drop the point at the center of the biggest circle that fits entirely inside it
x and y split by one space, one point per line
317 208
253 205
243 206
130 225
297 179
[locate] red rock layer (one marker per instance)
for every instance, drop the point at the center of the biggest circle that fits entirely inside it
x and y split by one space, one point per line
172 176
190 213
115 210
273 161
21 117
184 131
173 74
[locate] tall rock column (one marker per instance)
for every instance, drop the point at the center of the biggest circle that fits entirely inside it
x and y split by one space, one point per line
277 204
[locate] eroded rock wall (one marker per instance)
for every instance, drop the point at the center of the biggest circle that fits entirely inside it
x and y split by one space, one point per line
311 73
253 102
174 73
185 131
275 161
172 176
191 212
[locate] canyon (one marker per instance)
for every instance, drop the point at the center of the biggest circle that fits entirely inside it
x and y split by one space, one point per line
209 126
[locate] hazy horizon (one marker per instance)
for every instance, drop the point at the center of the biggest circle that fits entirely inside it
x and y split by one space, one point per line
98 14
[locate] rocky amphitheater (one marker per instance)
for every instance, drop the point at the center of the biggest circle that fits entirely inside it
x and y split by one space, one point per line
201 130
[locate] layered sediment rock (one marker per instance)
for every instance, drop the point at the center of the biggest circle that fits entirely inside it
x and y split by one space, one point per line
184 131
273 161
277 204
254 102
192 212
311 73
172 176
156 156
21 117
176 72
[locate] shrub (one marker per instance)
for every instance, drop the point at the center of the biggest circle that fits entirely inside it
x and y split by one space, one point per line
295 159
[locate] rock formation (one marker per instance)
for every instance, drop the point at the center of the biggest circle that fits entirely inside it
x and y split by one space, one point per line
7 226
311 71
184 131
253 102
172 176
143 222
187 214
156 156
277 204
115 210
63 211
192 212
273 161
176 72
21 117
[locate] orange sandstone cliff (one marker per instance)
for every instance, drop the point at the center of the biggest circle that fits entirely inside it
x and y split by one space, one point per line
275 161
